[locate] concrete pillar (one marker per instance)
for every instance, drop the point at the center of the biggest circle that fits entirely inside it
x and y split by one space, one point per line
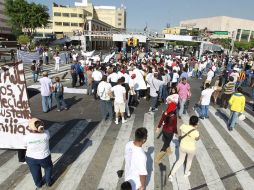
249 36
240 36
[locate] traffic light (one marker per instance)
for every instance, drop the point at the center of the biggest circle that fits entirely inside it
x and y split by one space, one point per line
130 42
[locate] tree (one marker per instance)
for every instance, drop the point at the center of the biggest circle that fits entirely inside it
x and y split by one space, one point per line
26 16
23 39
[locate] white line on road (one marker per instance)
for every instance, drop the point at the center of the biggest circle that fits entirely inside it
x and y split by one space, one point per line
56 153
76 171
207 166
109 177
236 166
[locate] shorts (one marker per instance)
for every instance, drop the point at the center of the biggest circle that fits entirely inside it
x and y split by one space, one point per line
119 107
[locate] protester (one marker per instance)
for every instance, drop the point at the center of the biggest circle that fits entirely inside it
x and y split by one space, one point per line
103 91
190 135
135 160
228 90
168 123
209 78
89 73
183 89
34 71
46 94
57 62
58 90
38 153
205 101
217 88
96 76
237 105
119 94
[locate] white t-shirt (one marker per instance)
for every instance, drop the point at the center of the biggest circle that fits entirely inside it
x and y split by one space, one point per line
113 77
175 77
118 91
135 164
97 76
210 75
103 90
46 85
57 59
206 96
37 145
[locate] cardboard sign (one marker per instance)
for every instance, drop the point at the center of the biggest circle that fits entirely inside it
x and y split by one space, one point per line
14 107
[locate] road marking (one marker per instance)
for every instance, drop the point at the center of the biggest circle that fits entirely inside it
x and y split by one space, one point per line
211 175
13 164
115 162
2 151
66 90
149 149
243 125
57 152
78 168
236 136
236 166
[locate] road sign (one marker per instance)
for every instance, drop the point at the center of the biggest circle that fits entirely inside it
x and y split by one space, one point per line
221 32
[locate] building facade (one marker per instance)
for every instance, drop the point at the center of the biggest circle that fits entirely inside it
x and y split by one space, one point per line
5 30
223 27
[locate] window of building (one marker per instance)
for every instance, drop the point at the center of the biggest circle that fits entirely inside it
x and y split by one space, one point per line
57 14
66 15
80 15
74 15
119 19
58 23
66 24
119 14
119 24
81 24
74 24
245 35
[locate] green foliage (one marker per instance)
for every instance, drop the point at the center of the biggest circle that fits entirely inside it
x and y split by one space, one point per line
26 16
185 43
244 45
23 39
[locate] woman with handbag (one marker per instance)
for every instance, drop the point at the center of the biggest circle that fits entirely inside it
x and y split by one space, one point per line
189 135
38 153
168 123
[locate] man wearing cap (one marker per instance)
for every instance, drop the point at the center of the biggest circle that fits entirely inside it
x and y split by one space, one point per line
46 87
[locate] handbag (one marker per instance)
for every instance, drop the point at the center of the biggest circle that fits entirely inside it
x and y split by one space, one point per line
180 138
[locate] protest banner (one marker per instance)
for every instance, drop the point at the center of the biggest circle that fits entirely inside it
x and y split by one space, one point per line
14 107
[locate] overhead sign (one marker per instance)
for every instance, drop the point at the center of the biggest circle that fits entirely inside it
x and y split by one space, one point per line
14 107
221 32
178 37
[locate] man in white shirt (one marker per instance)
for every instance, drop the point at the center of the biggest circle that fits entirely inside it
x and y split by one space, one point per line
210 76
103 91
57 62
175 78
46 86
113 77
205 101
235 74
120 100
135 160
96 76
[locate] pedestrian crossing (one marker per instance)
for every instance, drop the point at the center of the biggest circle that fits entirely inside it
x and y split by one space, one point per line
224 159
49 68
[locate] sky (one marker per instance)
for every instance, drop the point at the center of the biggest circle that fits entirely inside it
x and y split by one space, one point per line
158 13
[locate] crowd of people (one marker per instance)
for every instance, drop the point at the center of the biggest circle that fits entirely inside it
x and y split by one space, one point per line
163 80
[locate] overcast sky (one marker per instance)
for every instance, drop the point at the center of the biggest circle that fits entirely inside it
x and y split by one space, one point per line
158 13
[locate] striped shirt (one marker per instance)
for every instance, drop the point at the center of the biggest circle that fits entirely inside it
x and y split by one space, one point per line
229 88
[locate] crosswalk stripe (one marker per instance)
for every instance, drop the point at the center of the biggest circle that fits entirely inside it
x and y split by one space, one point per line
236 166
7 169
149 149
2 151
242 124
115 162
179 181
62 146
206 164
236 136
250 117
78 168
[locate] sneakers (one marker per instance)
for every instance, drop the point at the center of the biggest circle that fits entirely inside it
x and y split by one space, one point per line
124 121
201 117
116 122
187 174
170 178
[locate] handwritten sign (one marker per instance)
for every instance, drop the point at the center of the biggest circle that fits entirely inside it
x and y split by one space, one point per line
14 107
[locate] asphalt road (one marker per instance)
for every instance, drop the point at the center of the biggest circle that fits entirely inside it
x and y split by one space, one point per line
87 153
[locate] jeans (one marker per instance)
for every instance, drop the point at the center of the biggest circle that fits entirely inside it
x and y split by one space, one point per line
164 94
74 79
167 138
60 101
233 119
182 103
200 73
204 111
95 86
106 109
35 166
35 76
46 103
154 102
